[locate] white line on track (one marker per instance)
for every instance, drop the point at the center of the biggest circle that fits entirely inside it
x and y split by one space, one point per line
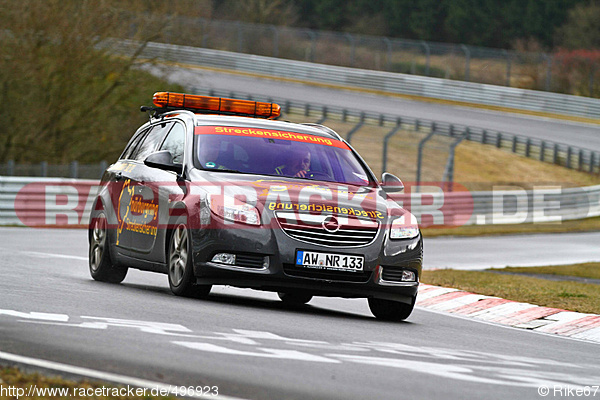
104 376
44 255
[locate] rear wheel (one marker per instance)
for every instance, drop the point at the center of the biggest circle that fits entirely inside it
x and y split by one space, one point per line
101 267
181 272
294 298
388 310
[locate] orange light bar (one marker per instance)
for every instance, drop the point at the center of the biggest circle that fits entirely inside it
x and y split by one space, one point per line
217 104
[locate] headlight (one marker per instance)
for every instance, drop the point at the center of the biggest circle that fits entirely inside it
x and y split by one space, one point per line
405 227
225 207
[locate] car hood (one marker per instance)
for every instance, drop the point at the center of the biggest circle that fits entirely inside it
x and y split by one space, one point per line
272 194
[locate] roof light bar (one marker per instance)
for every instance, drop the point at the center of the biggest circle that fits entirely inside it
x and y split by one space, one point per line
217 105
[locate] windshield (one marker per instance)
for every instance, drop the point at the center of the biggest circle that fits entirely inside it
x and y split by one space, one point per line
278 153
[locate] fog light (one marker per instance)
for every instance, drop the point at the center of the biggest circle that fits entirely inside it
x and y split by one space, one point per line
224 258
408 276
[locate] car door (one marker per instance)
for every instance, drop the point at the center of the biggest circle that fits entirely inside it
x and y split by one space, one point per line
139 199
167 187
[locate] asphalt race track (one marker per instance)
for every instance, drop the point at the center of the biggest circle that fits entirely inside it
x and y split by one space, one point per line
584 135
250 346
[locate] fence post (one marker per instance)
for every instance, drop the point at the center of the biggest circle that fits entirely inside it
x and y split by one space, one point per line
356 127
508 66
240 32
449 170
499 140
483 136
386 139
467 60
10 168
542 150
420 155
388 45
592 162
548 70
592 72
580 166
569 152
74 169
205 32
527 147
313 44
306 109
323 115
103 166
352 47
427 56
514 144
275 40
44 169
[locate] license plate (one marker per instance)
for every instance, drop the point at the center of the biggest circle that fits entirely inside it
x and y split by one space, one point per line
339 262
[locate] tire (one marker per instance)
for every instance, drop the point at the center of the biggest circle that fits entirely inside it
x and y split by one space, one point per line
388 310
101 267
295 299
181 271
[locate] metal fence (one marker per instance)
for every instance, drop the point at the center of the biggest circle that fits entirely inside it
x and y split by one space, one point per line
379 81
521 69
568 156
429 153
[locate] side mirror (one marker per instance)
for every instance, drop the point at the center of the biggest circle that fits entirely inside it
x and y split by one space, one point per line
162 160
391 183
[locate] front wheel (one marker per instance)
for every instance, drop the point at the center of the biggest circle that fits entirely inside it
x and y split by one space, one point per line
101 267
181 272
388 310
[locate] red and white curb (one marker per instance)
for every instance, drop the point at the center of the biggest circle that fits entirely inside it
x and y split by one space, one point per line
511 313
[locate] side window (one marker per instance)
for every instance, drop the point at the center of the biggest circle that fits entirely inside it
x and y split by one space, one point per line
151 141
175 143
132 145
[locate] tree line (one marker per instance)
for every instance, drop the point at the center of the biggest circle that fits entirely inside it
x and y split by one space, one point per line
490 23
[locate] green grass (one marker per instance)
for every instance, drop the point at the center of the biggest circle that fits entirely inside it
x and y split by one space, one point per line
566 295
15 378
585 270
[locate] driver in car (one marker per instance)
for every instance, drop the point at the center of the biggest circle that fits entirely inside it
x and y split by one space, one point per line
298 164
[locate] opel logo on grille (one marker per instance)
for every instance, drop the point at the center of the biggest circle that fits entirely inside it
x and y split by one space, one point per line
331 224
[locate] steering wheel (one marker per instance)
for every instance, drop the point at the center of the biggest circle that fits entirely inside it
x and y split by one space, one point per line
318 175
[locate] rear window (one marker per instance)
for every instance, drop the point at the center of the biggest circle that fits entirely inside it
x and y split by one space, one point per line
277 153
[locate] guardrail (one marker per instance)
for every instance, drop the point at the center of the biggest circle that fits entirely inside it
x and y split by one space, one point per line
388 82
67 202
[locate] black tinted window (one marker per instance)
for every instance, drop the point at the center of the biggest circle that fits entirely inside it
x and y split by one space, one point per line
151 141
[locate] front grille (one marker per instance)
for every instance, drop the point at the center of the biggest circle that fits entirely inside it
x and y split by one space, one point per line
328 275
250 260
351 233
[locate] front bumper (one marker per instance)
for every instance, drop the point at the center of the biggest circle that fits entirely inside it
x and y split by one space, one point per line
384 259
